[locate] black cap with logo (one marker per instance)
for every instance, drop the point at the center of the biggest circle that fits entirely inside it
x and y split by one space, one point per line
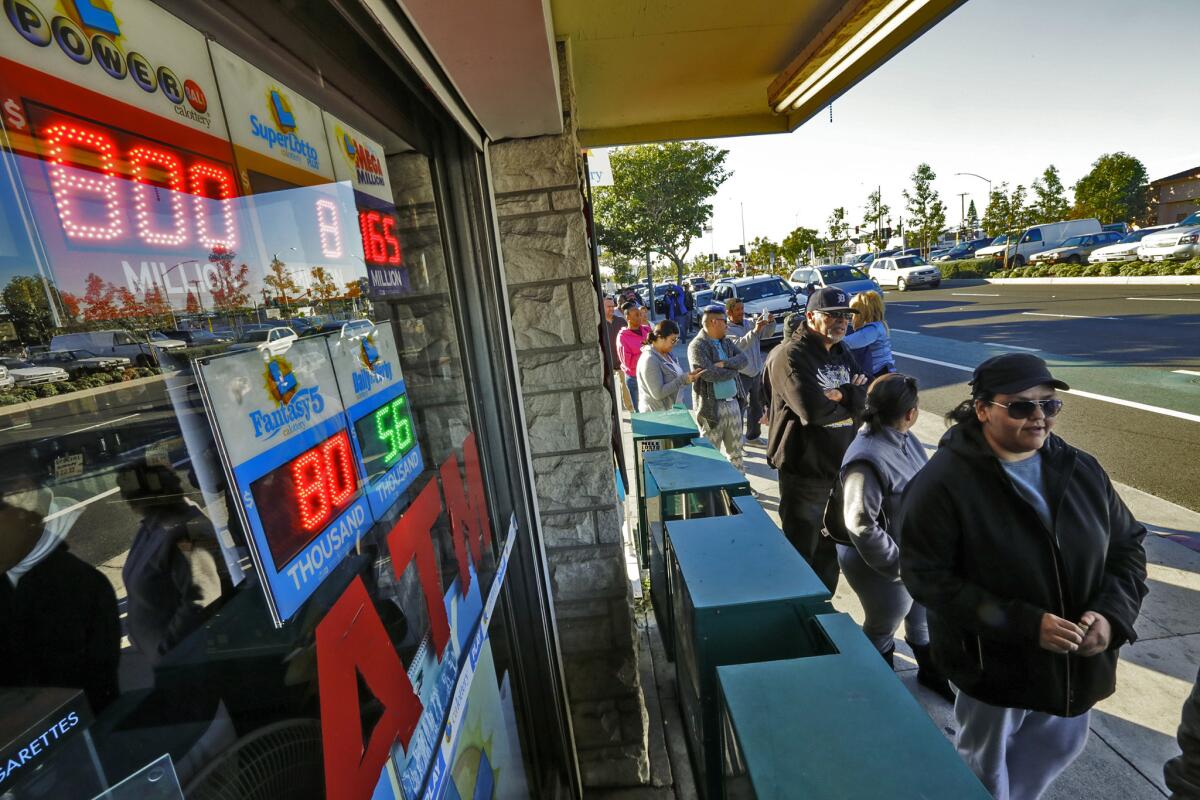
829 298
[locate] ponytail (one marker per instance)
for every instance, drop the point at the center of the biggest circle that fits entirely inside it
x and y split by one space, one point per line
665 329
964 412
889 398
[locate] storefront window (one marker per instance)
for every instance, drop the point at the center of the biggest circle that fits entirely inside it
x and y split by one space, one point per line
243 521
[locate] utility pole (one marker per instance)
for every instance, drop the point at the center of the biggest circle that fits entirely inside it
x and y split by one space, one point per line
962 214
743 205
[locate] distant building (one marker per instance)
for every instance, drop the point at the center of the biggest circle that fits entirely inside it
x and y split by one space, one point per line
1176 195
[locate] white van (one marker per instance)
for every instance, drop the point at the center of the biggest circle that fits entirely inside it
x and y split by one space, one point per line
136 347
1037 238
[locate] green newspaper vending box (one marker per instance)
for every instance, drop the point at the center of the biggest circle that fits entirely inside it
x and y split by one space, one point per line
739 593
839 726
654 431
690 482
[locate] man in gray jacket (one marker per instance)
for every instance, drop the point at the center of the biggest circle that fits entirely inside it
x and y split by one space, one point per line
718 412
748 335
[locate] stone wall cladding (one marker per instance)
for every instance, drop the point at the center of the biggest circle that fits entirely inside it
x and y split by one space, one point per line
555 321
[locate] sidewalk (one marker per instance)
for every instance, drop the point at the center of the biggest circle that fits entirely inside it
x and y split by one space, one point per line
1133 732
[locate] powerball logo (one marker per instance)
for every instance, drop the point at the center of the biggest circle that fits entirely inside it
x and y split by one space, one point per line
89 31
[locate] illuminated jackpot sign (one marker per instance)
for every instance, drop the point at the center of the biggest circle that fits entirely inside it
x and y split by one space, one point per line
285 439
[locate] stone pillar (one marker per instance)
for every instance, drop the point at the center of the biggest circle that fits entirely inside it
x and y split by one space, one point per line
555 320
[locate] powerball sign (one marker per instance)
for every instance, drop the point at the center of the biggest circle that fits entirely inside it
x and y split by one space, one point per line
281 424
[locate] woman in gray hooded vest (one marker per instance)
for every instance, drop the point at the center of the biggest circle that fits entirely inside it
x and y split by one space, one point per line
877 466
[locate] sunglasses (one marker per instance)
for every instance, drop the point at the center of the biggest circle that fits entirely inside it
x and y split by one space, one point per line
846 315
1023 409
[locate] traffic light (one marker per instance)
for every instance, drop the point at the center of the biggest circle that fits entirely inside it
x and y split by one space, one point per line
712 258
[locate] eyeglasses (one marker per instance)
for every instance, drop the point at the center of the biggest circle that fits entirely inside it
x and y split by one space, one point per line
1023 409
846 315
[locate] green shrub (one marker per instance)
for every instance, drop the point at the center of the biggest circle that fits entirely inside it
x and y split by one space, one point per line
66 387
1188 268
47 390
87 382
1068 271
146 372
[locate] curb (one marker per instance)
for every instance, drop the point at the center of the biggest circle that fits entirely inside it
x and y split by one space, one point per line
41 402
1119 280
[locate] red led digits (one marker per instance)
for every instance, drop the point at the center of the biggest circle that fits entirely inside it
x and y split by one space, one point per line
139 159
312 495
339 469
202 175
379 240
323 480
329 228
390 241
70 183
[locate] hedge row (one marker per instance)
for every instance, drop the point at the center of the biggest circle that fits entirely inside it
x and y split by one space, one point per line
93 381
1131 269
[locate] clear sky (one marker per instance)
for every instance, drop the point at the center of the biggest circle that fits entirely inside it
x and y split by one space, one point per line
1001 88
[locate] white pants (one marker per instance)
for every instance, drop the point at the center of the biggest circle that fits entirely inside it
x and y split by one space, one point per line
1016 753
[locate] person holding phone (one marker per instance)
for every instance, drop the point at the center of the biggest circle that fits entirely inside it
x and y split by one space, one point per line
660 375
1032 570
748 333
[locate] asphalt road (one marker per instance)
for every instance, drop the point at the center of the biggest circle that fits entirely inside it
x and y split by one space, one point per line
1121 345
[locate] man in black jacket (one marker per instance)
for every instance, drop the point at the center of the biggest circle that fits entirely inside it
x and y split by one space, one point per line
1033 573
817 396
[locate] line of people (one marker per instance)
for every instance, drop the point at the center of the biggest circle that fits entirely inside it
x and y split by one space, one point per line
1016 568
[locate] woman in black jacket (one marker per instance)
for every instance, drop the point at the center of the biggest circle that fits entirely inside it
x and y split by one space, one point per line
1032 570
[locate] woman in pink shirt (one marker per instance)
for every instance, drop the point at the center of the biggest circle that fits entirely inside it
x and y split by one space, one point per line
629 345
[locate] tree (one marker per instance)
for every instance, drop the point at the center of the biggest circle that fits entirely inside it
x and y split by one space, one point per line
763 253
230 293
798 244
838 229
324 287
873 216
659 199
193 302
28 308
624 270
926 211
972 217
1050 203
98 296
280 279
1116 190
1006 211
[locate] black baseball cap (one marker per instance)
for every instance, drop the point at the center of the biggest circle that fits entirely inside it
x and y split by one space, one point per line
830 298
1013 372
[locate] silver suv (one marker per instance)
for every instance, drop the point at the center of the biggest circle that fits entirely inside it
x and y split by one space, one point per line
760 293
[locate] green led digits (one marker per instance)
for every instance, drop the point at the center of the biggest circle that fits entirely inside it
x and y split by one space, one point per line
394 426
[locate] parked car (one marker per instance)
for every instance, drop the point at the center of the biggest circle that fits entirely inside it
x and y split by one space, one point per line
760 293
695 283
1127 249
935 252
1180 243
699 301
850 280
26 373
1120 227
199 338
6 380
905 272
1076 249
78 362
962 250
1038 238
139 349
274 339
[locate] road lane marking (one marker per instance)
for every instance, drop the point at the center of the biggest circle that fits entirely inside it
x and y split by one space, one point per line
1169 412
1013 347
1168 299
1186 372
901 330
14 427
972 294
78 506
906 305
1063 316
106 422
